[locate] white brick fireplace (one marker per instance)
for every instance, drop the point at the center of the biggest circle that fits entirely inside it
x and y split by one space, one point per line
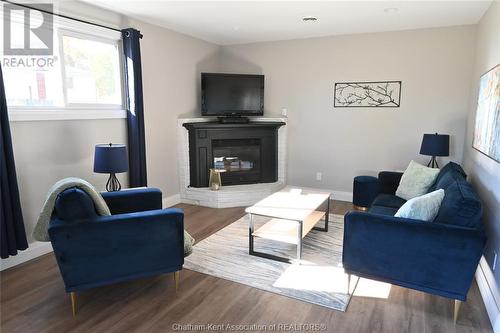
227 196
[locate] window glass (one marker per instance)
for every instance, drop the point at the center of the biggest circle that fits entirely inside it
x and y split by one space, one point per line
92 71
83 70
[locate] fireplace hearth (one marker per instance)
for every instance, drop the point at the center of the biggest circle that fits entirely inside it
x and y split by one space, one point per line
245 153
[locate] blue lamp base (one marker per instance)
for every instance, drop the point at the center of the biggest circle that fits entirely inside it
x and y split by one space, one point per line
113 184
433 163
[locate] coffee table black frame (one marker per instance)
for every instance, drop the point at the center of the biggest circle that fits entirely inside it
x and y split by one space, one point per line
251 237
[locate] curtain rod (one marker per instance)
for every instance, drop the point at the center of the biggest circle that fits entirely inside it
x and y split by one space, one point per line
60 15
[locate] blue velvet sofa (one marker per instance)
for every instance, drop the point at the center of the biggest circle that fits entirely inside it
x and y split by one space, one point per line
139 239
438 257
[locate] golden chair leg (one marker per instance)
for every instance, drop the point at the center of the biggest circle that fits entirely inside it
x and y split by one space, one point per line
73 302
457 308
176 278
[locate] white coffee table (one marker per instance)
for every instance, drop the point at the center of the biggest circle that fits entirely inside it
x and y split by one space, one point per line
294 212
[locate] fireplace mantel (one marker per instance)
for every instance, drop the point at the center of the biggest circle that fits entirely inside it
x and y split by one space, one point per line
235 195
218 125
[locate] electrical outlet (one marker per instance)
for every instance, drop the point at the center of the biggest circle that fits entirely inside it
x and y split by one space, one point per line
319 175
284 112
494 260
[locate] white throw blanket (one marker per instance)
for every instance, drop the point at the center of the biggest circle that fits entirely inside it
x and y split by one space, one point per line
40 233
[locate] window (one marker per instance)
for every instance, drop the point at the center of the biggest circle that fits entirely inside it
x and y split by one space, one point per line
83 78
91 71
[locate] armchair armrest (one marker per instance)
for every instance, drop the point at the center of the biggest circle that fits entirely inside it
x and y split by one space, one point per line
389 181
109 249
133 200
432 257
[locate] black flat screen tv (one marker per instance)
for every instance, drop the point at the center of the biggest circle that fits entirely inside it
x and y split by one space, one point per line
232 94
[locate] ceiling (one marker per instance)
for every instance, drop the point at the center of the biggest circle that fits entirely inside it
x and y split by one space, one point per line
237 22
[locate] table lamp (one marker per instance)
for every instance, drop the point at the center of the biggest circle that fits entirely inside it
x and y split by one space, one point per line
111 158
435 145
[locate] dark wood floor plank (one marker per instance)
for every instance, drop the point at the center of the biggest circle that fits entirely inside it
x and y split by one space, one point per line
33 299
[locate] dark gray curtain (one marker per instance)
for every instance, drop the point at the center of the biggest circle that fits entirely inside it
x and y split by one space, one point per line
12 234
135 108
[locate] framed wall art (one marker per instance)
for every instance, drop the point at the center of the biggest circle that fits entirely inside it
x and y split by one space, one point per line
487 126
367 94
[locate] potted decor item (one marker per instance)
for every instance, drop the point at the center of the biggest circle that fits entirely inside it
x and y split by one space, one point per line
215 181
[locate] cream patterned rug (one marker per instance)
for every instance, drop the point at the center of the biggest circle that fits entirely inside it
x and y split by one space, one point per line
320 279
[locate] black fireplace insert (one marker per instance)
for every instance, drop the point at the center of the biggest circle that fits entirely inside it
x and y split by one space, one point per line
244 153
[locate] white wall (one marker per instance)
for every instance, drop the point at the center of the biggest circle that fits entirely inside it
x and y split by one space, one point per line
46 151
484 172
435 66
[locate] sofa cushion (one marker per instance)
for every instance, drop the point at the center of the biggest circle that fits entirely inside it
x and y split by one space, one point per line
383 210
389 181
416 180
73 204
388 200
452 166
461 206
447 175
424 207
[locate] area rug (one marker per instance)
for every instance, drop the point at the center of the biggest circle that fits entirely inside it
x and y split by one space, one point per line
319 279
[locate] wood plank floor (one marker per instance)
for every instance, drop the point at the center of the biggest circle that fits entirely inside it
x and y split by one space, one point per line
33 300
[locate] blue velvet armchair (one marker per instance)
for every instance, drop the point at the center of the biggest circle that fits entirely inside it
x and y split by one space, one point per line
438 257
139 239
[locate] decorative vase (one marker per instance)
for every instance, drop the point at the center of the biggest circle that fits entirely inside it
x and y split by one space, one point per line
214 181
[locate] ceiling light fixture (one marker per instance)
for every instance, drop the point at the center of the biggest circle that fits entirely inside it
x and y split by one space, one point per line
391 10
309 19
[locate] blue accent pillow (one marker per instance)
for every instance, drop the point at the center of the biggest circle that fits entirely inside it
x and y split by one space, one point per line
416 181
424 207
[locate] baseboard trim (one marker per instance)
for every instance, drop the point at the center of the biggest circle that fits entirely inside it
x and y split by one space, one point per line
35 249
489 292
171 200
335 195
341 196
